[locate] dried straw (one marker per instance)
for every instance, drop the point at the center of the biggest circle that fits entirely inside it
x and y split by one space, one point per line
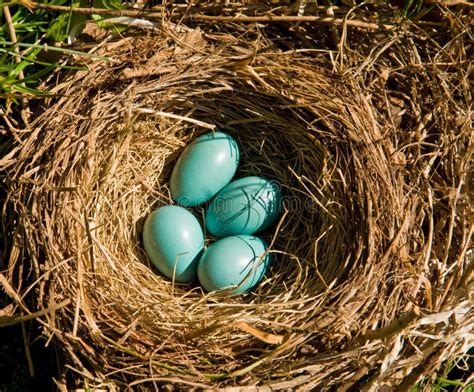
372 280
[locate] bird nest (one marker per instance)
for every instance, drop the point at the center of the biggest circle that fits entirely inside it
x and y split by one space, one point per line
371 280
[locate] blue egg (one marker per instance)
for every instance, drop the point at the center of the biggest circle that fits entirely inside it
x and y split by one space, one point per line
174 241
245 206
204 168
234 263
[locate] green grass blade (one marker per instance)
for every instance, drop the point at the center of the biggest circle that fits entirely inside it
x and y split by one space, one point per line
37 62
30 91
53 49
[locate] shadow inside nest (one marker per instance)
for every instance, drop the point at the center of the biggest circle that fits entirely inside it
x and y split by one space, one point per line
283 143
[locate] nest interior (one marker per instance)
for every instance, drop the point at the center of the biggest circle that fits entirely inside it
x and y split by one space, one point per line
371 281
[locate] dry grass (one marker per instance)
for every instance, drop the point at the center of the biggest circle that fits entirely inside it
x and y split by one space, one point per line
372 280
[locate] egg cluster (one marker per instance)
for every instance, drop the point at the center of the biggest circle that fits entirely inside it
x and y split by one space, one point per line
173 237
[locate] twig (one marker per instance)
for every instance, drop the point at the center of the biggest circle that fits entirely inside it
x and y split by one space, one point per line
174 117
288 385
259 334
26 345
426 366
255 332
394 327
449 3
12 320
12 33
173 380
91 10
129 351
11 292
211 18
286 19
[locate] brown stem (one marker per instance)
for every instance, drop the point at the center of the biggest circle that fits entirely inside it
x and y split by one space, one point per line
285 19
212 18
91 10
7 321
394 327
12 33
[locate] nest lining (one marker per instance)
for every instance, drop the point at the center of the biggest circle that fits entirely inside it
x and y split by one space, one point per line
375 236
